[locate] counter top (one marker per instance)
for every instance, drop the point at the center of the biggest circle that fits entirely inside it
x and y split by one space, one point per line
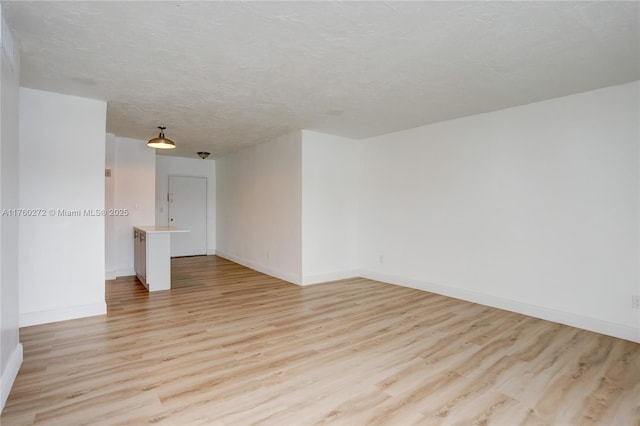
157 229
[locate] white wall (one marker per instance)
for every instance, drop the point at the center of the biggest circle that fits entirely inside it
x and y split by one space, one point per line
134 180
258 207
533 209
178 166
110 240
62 157
10 347
330 173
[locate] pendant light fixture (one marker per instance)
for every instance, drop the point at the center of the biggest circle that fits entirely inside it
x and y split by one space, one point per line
203 154
161 142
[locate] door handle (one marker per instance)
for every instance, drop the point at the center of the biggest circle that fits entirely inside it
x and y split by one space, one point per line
171 220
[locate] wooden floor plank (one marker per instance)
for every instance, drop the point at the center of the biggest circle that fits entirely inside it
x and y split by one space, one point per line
230 346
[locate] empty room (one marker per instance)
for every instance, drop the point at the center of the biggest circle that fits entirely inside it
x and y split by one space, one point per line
305 213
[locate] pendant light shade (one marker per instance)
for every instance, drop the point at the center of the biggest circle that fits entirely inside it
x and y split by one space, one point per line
161 142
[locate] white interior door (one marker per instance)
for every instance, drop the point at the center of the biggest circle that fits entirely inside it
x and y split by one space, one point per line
188 210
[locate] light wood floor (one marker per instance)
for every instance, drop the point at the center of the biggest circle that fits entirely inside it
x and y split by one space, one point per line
230 346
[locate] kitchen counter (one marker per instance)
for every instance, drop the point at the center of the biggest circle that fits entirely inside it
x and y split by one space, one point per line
155 229
152 255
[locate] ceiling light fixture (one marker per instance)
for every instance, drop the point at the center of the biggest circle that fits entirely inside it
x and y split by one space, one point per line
203 154
161 142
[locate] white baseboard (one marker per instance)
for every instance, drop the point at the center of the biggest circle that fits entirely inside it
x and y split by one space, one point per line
587 323
330 276
110 275
42 317
9 375
286 276
127 272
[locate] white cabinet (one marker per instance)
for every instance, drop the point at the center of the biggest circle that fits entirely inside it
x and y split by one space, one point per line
140 255
152 255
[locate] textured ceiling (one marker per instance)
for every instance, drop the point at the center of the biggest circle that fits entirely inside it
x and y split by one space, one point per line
222 75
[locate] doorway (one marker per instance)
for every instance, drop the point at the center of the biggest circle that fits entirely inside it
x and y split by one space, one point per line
188 210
